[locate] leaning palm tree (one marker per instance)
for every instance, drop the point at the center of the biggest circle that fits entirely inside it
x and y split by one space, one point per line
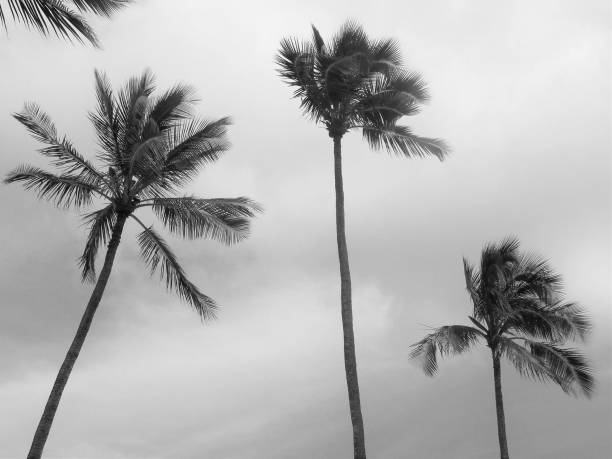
355 83
60 17
149 148
519 313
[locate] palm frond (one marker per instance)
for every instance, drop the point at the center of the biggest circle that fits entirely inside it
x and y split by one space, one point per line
156 254
386 56
61 151
410 84
297 62
37 123
173 106
317 40
100 223
497 263
51 16
534 276
350 40
472 285
106 121
400 140
479 325
547 362
147 155
132 104
100 7
225 220
65 190
558 321
445 340
190 146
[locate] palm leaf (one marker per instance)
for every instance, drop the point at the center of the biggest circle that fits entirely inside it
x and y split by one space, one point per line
156 254
191 146
547 362
100 224
534 276
106 122
380 102
225 220
350 40
132 104
62 152
497 262
400 140
297 62
445 340
65 190
317 40
557 321
51 16
175 105
385 55
100 7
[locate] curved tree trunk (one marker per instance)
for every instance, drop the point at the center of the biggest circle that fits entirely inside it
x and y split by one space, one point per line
350 360
499 405
44 425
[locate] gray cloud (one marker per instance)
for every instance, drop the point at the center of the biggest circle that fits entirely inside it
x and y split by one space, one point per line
522 93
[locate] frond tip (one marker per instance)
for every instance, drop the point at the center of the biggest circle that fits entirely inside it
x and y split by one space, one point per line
156 254
547 362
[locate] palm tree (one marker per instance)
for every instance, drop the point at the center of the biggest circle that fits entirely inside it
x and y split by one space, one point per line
60 16
354 83
150 147
520 314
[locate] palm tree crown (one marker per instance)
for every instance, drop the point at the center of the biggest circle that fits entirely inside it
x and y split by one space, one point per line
60 16
150 147
357 83
520 314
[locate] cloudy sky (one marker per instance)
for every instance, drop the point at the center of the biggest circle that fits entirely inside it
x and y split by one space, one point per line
520 90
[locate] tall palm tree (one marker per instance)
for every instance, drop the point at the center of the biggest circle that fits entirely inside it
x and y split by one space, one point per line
520 314
150 148
355 83
61 17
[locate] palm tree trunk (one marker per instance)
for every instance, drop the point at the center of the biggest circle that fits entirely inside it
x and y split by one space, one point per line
44 426
350 360
499 405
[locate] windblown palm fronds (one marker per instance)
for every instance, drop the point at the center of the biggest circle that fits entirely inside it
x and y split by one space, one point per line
520 314
354 82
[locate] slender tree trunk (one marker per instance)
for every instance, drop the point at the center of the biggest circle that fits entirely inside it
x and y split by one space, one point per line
350 360
44 426
499 405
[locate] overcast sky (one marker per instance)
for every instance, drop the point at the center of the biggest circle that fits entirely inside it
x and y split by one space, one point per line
521 90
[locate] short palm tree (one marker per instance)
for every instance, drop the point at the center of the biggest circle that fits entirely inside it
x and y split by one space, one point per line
61 17
150 147
355 83
519 314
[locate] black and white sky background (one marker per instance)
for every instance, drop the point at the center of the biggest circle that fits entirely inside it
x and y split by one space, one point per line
521 91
